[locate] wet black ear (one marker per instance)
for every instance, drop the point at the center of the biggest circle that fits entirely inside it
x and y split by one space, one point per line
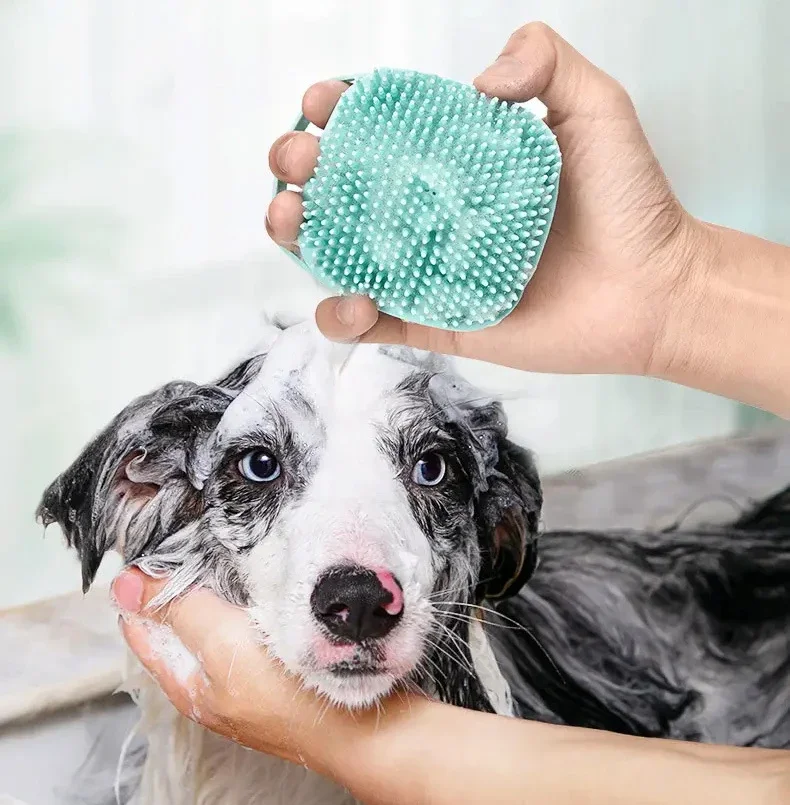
68 501
504 477
510 513
130 486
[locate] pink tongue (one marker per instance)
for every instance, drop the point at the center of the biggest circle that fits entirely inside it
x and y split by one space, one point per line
395 607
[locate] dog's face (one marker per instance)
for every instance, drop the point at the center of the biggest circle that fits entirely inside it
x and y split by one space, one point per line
357 499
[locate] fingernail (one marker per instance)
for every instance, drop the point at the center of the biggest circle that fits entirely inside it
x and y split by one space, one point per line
504 67
282 154
127 590
345 311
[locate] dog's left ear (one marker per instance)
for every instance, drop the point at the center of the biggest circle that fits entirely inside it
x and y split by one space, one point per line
135 483
506 480
510 514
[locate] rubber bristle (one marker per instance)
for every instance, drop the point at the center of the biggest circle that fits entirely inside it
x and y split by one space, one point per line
430 198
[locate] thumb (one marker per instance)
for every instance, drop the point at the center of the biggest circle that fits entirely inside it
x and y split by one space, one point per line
538 63
356 318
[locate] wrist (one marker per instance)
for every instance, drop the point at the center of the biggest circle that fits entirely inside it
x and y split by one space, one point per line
330 741
337 744
376 754
674 349
728 322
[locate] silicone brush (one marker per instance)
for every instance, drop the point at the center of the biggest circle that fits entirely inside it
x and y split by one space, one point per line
430 198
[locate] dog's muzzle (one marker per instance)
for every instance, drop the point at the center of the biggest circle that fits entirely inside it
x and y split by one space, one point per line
357 604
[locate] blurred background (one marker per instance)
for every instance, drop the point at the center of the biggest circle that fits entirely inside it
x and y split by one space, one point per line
134 183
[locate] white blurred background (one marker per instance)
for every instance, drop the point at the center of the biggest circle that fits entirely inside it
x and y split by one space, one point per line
134 182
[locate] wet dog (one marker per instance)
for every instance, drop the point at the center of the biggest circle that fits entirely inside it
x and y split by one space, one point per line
367 508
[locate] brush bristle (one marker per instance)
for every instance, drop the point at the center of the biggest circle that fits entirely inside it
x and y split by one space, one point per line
430 198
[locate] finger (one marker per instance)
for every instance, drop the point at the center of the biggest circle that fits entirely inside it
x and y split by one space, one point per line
183 690
349 318
346 318
208 625
284 217
538 63
204 623
320 100
293 157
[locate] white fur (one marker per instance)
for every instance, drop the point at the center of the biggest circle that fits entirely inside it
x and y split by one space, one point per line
353 511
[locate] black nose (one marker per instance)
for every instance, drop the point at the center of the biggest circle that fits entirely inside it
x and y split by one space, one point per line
353 604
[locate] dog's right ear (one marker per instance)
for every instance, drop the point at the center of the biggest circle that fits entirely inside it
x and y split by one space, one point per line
132 486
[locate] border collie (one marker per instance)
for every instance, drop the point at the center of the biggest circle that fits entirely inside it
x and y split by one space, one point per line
366 506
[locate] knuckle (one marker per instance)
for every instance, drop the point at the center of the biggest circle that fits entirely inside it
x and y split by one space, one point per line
445 342
618 94
533 31
311 96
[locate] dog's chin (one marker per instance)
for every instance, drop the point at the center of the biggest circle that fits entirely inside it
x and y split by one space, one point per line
351 688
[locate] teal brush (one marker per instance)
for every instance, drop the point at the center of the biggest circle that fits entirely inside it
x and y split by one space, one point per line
430 198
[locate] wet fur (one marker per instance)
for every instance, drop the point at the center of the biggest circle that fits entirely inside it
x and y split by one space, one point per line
682 634
677 634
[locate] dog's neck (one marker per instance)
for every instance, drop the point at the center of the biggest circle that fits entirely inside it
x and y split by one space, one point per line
187 765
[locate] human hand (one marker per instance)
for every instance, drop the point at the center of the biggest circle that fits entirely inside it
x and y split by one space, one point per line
411 749
222 677
614 264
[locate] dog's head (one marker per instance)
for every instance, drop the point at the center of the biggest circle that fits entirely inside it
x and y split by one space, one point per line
357 499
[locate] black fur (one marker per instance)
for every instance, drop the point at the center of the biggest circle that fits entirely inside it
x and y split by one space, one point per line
679 634
156 433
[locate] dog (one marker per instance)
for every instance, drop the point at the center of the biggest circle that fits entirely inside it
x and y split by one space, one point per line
366 506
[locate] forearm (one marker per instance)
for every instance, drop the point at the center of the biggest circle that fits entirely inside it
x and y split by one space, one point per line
422 753
729 332
412 751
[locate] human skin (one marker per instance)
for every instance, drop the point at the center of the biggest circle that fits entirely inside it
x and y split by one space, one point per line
417 751
629 283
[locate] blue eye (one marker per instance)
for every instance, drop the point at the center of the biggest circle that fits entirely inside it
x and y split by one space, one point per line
429 470
259 466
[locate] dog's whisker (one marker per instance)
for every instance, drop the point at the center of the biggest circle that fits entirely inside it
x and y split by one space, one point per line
379 713
233 661
471 619
427 658
489 611
510 624
326 705
399 694
456 639
461 662
245 393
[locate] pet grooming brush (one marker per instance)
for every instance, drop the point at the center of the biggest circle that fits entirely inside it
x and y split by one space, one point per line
430 198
